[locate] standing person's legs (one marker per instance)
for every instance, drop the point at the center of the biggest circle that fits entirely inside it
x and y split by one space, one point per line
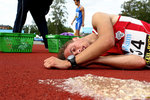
21 16
77 33
77 27
41 23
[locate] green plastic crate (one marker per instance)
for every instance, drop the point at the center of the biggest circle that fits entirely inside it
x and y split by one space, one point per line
55 42
16 42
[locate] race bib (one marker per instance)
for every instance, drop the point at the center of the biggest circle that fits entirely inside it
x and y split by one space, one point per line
137 43
77 14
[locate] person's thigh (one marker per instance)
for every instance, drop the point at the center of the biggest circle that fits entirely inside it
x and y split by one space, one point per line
78 25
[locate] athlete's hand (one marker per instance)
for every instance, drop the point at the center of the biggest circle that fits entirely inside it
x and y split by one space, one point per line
72 23
82 24
56 63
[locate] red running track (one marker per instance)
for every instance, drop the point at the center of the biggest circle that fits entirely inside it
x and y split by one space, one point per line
20 72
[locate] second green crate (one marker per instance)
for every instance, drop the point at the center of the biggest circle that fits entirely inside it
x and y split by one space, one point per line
55 42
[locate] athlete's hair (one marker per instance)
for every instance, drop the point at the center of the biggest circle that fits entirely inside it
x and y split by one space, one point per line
77 0
62 49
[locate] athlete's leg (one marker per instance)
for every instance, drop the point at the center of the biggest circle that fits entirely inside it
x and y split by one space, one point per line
78 27
77 33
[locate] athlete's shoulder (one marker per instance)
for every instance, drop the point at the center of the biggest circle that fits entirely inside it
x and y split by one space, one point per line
81 7
100 16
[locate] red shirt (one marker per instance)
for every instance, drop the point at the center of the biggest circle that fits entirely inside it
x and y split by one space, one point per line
120 27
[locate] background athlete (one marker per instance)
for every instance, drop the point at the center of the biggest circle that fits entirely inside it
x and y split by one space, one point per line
79 18
123 40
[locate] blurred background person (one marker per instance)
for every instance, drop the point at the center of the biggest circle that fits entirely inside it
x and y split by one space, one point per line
38 9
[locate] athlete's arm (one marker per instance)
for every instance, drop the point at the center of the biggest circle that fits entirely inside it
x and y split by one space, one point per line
73 20
83 15
103 24
121 61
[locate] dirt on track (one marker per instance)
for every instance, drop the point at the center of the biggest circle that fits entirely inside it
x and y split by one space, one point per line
20 73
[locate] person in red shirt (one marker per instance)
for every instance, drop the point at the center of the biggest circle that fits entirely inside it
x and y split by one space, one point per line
118 41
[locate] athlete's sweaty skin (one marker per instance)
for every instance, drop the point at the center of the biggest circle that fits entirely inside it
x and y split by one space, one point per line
90 48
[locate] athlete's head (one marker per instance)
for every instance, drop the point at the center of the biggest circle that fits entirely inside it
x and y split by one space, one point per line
77 2
73 47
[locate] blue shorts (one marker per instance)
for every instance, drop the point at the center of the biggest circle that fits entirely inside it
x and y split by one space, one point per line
78 25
